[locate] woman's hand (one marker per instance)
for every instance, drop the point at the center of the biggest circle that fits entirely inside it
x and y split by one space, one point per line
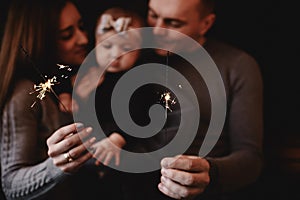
66 148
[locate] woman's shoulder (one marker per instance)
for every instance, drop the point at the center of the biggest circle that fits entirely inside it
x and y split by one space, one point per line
24 84
23 89
25 101
23 95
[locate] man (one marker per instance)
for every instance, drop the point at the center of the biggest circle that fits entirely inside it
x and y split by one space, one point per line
236 159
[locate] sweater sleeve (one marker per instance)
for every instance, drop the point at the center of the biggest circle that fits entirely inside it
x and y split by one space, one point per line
27 172
243 164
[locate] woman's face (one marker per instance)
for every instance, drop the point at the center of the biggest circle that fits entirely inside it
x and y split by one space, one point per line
115 52
72 41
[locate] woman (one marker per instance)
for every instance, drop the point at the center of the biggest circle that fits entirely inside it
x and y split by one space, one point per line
34 157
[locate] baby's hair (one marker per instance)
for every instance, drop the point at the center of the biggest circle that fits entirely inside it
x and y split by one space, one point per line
136 21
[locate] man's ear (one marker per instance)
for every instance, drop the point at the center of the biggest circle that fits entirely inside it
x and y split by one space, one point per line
206 23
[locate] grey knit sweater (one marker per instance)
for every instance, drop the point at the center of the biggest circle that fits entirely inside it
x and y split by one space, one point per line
26 170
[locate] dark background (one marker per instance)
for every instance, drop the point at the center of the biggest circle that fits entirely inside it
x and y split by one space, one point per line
267 30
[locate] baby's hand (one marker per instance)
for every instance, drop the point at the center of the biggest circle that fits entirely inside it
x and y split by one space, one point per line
67 104
89 83
106 148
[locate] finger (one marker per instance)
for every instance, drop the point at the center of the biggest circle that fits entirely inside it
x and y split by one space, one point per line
69 107
61 133
97 162
167 192
75 139
188 163
59 160
75 106
102 156
192 193
187 178
174 187
73 153
81 89
180 190
97 154
80 93
98 151
68 142
77 151
101 79
62 108
73 166
108 158
117 159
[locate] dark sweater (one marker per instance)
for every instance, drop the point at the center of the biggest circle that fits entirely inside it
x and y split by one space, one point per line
236 159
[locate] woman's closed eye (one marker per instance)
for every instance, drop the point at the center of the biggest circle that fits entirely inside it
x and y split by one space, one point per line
67 33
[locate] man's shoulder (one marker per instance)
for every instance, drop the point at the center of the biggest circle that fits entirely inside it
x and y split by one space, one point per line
221 48
227 54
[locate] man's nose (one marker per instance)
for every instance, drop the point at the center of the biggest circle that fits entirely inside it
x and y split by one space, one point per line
160 28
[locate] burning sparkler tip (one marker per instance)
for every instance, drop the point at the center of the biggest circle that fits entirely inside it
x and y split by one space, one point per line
167 100
42 88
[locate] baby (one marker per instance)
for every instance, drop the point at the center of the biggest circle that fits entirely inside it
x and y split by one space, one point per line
115 56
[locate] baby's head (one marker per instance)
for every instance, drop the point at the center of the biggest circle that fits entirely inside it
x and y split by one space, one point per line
108 49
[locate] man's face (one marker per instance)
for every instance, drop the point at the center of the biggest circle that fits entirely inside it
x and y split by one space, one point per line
178 15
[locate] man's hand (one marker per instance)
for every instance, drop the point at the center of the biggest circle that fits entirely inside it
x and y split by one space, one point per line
184 177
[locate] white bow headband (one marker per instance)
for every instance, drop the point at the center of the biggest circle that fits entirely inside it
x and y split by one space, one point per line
119 25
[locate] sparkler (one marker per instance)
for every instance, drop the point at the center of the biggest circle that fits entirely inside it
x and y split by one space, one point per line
42 88
64 67
167 100
167 72
45 87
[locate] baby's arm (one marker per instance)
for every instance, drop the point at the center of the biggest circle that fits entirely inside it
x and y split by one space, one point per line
106 148
89 82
